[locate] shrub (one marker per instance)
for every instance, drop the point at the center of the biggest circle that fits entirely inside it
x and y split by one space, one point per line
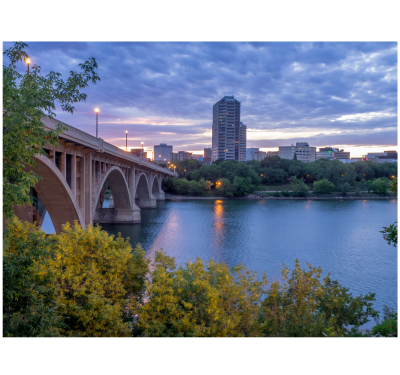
286 193
388 327
300 189
379 186
323 187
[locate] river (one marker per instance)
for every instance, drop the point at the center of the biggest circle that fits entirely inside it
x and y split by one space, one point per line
340 236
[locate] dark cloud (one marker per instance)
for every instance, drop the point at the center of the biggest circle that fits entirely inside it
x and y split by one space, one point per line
326 88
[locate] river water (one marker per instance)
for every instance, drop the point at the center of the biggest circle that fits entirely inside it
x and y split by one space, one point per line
340 236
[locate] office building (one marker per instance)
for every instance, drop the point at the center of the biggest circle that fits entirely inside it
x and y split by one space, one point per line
184 155
207 155
139 152
250 152
272 153
162 153
332 153
259 155
389 156
302 150
242 142
228 135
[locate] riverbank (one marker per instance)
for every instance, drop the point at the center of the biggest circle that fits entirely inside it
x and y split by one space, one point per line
260 196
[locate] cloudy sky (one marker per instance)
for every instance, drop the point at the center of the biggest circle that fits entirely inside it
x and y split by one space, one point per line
337 94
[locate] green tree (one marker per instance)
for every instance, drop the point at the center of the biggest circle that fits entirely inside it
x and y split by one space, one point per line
29 305
300 189
379 186
323 187
27 98
79 283
303 305
390 232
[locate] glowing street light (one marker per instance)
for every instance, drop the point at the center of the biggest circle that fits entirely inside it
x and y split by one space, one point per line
126 138
97 122
28 61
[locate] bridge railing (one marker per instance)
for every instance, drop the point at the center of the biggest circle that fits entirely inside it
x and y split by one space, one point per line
100 145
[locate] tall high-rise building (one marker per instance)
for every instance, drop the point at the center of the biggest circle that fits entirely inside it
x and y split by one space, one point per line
227 133
242 142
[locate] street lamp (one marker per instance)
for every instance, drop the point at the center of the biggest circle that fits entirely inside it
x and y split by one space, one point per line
126 138
97 122
28 61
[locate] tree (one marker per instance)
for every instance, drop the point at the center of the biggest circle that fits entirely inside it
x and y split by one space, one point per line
390 233
323 187
200 300
379 186
27 98
29 305
303 305
81 282
300 189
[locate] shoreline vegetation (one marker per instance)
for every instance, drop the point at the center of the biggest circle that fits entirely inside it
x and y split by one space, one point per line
278 178
260 196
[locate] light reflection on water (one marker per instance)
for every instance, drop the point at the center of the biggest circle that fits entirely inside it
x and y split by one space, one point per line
340 236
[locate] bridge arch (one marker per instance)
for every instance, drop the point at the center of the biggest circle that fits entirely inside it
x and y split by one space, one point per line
124 210
55 194
144 197
119 187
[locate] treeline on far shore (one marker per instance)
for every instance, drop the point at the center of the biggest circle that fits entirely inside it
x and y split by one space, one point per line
231 178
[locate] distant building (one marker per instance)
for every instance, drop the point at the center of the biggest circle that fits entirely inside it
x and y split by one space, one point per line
259 155
272 153
198 157
174 156
207 155
184 155
138 152
332 153
228 135
250 152
389 156
162 153
302 150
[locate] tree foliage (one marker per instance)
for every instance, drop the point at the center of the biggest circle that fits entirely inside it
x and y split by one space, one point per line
303 305
323 187
198 300
336 176
80 283
27 98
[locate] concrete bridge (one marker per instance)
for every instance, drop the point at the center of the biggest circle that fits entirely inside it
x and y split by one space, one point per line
76 174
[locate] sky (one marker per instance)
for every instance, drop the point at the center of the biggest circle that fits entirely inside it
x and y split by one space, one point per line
328 94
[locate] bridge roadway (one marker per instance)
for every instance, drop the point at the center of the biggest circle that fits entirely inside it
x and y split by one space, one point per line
76 173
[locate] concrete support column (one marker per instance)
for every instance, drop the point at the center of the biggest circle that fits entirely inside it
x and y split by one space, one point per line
88 186
73 173
63 165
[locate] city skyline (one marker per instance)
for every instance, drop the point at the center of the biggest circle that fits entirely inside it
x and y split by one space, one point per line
342 95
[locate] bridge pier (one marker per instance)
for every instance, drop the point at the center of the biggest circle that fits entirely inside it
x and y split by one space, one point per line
116 216
146 203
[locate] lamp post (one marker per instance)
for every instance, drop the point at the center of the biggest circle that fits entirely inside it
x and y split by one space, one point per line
142 150
28 61
97 122
126 140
